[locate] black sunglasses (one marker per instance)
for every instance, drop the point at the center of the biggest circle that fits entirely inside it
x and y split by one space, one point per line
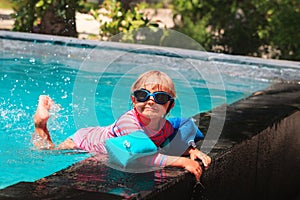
160 97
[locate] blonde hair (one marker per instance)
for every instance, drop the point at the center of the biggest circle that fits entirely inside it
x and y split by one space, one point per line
157 79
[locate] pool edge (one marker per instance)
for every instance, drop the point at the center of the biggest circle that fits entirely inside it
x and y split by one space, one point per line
139 48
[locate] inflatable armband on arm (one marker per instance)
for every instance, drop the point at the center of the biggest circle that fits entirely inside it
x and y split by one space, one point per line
186 133
125 150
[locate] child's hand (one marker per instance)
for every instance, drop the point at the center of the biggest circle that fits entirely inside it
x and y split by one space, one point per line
197 154
193 167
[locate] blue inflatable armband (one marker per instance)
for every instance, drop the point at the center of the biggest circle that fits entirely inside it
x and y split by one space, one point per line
124 150
185 134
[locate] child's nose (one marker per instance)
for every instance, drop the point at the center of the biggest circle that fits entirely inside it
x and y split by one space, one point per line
152 99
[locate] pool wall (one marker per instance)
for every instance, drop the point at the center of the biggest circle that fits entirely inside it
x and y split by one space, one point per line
256 157
258 154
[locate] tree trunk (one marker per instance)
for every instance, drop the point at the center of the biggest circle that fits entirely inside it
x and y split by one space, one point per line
53 24
71 18
127 4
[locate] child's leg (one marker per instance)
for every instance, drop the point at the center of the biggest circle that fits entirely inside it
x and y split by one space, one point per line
67 144
41 137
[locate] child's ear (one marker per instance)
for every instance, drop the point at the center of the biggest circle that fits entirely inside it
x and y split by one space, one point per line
173 104
133 100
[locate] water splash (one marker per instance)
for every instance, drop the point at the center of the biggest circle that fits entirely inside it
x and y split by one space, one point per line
54 115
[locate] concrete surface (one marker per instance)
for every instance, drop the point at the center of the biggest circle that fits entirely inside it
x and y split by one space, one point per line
6 21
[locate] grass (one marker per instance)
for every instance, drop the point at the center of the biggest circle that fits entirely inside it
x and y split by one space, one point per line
5 4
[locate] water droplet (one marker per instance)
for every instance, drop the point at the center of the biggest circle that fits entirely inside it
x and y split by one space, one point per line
65 96
32 60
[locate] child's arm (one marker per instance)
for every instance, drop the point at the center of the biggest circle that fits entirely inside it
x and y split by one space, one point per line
162 160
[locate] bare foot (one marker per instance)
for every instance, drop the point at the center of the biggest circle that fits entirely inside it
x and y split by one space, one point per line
42 112
41 136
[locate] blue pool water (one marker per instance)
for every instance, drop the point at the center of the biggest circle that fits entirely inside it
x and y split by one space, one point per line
91 91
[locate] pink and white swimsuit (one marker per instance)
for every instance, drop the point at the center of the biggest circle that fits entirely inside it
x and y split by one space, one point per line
93 138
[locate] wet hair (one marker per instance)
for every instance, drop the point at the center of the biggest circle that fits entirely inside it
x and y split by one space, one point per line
157 79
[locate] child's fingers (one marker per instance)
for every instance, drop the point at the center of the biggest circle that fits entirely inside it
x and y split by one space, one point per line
198 173
193 157
194 167
206 161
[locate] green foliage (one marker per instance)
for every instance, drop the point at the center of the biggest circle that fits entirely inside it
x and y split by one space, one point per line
86 7
30 13
42 5
283 28
242 27
25 15
124 21
254 27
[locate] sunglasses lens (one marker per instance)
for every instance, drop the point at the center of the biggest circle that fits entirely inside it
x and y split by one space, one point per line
141 95
161 98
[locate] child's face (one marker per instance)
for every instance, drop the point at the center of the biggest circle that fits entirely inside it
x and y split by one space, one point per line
150 109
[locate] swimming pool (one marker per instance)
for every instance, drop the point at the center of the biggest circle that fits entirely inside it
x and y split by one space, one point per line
91 83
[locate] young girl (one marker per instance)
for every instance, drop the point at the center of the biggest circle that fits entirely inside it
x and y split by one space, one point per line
153 95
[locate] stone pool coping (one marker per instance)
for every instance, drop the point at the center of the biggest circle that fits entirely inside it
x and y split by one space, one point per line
256 157
182 53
